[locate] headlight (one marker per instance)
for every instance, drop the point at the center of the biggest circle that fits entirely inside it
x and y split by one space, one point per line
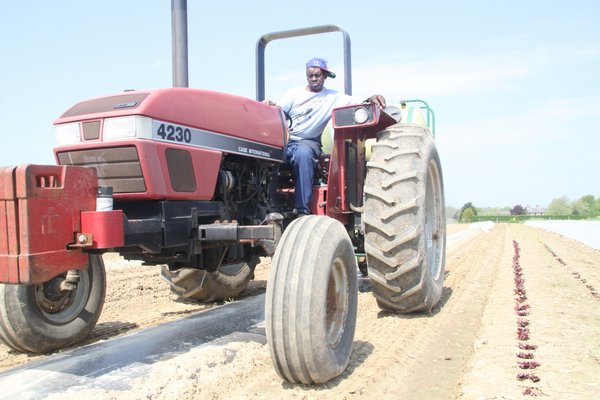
360 115
132 126
355 115
67 134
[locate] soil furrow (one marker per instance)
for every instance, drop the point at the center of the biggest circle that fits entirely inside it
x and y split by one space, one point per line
467 347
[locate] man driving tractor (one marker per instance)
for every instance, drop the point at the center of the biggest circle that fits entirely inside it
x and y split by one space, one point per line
309 109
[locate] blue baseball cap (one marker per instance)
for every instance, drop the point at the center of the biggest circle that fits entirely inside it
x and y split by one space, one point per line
320 63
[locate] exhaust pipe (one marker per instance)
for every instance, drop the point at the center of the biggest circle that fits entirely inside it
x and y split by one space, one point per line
179 42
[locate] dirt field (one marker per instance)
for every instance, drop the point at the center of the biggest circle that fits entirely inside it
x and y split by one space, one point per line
473 345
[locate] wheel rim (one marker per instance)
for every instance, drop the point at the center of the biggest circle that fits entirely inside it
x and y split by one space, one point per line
61 307
337 302
434 234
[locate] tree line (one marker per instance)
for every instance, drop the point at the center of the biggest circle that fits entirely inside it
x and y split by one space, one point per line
586 206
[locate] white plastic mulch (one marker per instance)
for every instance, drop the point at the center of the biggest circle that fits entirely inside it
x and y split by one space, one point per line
587 232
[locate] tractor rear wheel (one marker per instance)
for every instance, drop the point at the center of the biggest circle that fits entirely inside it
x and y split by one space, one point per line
311 301
46 317
227 282
405 229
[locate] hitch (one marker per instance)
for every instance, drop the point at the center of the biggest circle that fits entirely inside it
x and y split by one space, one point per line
266 236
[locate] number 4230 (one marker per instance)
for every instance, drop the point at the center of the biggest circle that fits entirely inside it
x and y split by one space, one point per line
174 133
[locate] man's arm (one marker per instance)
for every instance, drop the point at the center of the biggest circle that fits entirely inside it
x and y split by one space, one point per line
286 102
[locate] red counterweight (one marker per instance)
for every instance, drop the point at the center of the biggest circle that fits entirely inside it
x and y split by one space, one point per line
41 233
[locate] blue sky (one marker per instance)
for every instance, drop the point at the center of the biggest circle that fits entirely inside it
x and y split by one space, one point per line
514 84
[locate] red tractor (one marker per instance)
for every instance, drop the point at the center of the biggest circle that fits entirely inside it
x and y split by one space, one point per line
194 181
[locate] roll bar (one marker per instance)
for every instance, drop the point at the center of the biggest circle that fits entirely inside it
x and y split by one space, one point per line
265 39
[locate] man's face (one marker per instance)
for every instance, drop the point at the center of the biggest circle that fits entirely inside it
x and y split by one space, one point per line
315 77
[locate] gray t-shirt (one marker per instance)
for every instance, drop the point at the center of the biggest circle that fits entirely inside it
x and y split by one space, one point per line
310 111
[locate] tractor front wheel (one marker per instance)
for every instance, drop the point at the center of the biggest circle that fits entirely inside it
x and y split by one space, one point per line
53 315
311 301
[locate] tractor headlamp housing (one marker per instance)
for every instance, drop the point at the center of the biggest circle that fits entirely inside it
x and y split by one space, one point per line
356 115
129 127
115 128
67 134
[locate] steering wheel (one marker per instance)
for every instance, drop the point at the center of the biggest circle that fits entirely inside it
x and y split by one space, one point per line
288 119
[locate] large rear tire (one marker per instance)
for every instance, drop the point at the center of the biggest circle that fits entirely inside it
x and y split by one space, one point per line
227 282
42 318
405 228
311 301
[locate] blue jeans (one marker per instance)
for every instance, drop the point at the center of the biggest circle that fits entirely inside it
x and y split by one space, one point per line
301 155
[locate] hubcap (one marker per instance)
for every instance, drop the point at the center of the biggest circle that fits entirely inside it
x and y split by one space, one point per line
434 231
62 306
337 302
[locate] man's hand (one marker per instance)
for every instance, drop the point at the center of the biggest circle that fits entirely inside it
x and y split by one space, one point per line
378 100
269 102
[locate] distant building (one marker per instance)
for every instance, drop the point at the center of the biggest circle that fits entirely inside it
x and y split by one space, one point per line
537 210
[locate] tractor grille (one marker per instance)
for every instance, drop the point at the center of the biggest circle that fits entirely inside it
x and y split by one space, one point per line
118 167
